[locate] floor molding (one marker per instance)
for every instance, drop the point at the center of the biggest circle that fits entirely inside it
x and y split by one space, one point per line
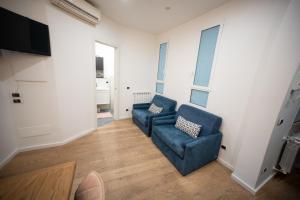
124 117
252 190
39 146
265 181
43 146
243 184
8 158
79 135
225 164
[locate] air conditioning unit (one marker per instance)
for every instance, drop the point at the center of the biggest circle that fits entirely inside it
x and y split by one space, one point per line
81 9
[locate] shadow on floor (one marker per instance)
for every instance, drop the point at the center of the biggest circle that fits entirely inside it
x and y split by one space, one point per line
281 187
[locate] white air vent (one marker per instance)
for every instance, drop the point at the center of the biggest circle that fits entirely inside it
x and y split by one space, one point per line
80 8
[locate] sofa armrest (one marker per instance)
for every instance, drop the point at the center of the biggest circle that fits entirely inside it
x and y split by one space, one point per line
203 149
159 115
163 122
141 106
173 116
170 119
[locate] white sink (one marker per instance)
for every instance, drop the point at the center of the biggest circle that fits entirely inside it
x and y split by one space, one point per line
102 89
103 96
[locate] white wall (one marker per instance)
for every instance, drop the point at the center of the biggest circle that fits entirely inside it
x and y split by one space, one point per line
7 132
260 148
247 28
60 94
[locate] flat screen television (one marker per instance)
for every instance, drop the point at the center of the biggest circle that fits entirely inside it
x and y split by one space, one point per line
19 33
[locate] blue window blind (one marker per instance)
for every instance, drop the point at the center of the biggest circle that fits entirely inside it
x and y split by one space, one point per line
206 54
162 61
160 88
199 97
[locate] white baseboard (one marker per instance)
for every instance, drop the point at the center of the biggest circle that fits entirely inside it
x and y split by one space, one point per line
243 184
8 158
39 146
79 135
265 181
124 117
225 164
43 146
251 189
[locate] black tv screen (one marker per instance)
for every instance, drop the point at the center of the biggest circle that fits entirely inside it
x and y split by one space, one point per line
19 33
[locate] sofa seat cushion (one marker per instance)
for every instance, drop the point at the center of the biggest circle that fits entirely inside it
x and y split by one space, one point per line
141 115
173 138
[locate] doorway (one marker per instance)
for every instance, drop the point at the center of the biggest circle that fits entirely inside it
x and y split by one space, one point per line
282 150
105 83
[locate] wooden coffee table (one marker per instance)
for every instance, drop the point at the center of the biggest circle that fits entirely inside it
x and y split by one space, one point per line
53 182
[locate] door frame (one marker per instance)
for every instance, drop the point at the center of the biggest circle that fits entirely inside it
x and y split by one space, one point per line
281 130
115 79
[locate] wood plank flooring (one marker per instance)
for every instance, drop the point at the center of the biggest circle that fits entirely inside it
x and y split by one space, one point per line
48 183
133 168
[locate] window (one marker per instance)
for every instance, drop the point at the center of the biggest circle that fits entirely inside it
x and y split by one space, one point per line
206 53
160 88
199 97
161 68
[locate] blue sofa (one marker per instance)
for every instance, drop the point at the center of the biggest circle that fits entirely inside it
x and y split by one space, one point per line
143 118
186 153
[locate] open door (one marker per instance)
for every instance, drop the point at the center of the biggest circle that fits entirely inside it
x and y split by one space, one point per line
105 83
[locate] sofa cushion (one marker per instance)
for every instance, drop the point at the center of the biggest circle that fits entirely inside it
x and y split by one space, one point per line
209 122
173 137
141 115
188 127
155 109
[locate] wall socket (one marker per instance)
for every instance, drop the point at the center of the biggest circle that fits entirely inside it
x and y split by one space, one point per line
265 169
17 101
223 147
15 95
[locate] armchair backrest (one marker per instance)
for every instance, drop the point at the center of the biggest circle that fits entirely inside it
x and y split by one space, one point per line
168 105
210 122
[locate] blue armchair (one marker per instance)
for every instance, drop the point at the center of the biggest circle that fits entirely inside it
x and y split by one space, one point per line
186 153
143 118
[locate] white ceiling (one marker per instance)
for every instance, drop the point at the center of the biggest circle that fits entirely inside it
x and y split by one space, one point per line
153 15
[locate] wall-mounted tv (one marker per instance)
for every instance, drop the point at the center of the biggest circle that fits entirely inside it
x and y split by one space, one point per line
19 33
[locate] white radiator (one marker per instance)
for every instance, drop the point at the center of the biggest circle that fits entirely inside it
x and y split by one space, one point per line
142 97
289 154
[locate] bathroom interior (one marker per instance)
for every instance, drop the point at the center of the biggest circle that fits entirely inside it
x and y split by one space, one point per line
104 83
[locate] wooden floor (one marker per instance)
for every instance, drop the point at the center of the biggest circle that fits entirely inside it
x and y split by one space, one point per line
133 168
48 183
